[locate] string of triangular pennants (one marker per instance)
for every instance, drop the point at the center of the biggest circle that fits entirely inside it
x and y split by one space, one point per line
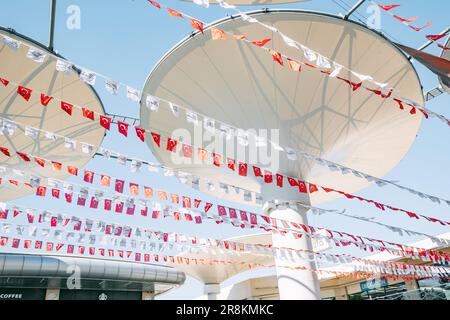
50 221
406 21
153 103
303 186
252 220
323 64
180 240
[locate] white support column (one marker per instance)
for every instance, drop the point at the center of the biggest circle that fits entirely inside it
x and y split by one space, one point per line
212 290
294 284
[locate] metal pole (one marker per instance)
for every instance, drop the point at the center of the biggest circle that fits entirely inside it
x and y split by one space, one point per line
52 25
355 7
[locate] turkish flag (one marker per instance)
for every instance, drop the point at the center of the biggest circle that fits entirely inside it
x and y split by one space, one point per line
105 122
15 243
81 250
157 139
24 157
187 151
280 180
123 128
24 92
72 170
405 20
277 56
388 7
422 27
140 132
294 65
81 201
243 215
92 251
155 4
174 13
208 206
41 191
186 202
38 245
171 145
257 171
39 161
68 197
197 203
202 154
27 244
14 182
5 151
222 211
119 186
233 213
268 177
45 99
148 192
130 210
67 107
261 43
56 193
435 37
231 164
253 218
302 187
53 222
107 204
94 203
313 188
217 159
197 25
162 195
243 167
355 86
57 166
88 176
3 214
217 34
155 214
119 207
292 182
3 241
105 181
4 82
134 189
88 114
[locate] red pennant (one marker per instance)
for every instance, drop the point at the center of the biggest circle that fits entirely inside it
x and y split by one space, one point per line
24 92
280 180
157 139
261 43
105 122
292 182
313 188
171 145
67 107
294 65
302 187
174 13
257 171
405 20
388 7
231 164
5 151
108 205
72 170
197 25
217 159
39 161
208 206
277 56
243 167
268 177
88 114
4 82
123 128
140 132
24 157
355 86
56 193
187 151
155 4
45 99
41 191
435 37
88 176
57 166
119 186
422 27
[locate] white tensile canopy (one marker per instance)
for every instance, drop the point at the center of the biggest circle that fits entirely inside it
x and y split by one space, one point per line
43 78
241 85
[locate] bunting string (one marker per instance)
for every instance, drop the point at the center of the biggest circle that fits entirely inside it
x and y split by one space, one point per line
406 21
303 186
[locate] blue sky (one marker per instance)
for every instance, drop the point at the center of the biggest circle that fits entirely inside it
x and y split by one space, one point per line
124 39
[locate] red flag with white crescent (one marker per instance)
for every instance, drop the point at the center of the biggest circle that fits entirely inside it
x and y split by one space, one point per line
261 43
157 139
45 99
123 128
67 107
5 151
197 25
88 114
140 132
24 92
105 122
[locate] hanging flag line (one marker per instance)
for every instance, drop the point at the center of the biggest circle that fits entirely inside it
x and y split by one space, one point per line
323 65
393 270
271 224
135 188
431 37
303 186
400 231
50 221
153 103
